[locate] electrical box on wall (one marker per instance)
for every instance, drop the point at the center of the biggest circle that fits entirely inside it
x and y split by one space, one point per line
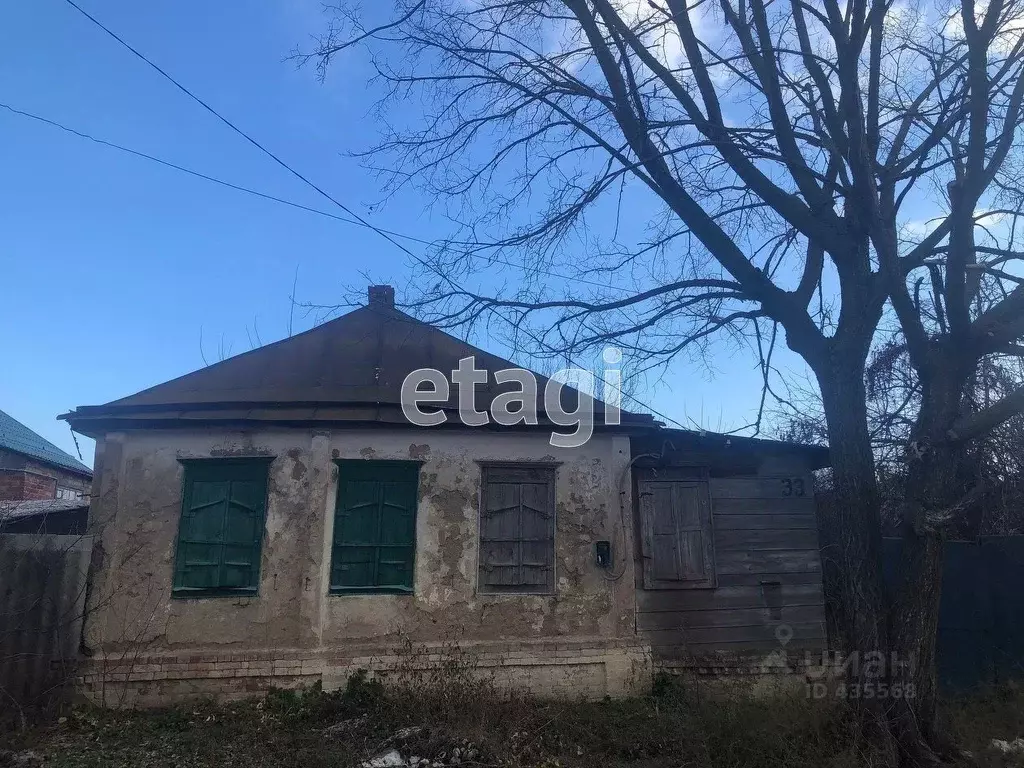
603 554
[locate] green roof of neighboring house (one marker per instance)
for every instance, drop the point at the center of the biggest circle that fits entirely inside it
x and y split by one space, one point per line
15 436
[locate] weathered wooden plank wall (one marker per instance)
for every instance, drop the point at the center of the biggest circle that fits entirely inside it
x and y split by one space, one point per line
768 576
42 601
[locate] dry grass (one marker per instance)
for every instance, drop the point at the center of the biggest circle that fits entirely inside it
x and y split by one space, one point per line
451 708
974 721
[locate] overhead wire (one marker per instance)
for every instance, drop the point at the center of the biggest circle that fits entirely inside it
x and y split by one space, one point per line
357 217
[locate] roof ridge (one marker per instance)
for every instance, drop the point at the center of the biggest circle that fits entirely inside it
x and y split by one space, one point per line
361 357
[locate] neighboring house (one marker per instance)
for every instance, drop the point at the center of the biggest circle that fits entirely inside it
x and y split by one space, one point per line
275 519
42 488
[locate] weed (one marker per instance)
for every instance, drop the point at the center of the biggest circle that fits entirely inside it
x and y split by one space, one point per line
421 711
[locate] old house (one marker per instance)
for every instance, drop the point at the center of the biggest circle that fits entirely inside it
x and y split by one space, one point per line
33 468
275 518
42 488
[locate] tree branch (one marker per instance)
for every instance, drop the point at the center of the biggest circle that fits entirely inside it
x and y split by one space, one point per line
981 423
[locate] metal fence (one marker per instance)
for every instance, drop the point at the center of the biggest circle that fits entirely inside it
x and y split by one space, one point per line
42 601
981 617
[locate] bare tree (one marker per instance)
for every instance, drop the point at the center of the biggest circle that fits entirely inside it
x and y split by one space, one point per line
993 463
814 167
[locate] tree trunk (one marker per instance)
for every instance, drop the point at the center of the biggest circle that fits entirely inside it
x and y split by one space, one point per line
857 550
912 674
934 487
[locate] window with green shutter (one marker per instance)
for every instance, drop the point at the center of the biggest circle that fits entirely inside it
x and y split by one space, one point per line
374 545
221 528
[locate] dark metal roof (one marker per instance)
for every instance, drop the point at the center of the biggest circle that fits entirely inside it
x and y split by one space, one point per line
666 441
350 369
17 510
15 436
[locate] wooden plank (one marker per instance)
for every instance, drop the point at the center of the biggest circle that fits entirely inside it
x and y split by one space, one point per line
755 579
665 555
765 540
765 522
735 617
500 539
812 644
773 487
692 473
537 528
777 561
725 598
759 635
791 505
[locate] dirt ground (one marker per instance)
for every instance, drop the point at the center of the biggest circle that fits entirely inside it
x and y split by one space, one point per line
468 724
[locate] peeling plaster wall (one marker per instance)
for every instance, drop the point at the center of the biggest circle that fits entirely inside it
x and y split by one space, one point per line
137 504
585 603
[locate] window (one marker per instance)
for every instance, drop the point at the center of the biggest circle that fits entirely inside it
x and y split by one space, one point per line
517 528
374 543
221 527
675 521
67 493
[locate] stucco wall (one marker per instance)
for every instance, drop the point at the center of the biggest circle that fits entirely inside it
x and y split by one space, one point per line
135 514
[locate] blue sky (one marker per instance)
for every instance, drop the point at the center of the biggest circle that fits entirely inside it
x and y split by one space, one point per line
115 268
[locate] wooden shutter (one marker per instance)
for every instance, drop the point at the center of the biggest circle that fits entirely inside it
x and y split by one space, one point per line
221 527
374 544
517 529
677 542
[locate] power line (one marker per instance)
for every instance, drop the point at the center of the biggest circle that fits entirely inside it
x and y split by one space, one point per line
283 201
249 138
265 195
361 220
183 169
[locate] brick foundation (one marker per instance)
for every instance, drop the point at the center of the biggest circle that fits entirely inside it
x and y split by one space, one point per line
582 668
723 673
590 669
795 663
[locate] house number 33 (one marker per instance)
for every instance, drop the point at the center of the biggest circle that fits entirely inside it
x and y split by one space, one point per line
792 486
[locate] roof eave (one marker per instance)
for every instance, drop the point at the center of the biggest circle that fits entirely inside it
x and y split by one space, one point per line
817 456
95 421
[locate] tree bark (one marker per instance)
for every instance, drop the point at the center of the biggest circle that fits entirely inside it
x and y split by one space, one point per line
857 527
912 674
935 485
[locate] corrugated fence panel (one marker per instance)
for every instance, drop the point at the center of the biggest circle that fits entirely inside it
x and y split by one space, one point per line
42 602
981 617
1004 561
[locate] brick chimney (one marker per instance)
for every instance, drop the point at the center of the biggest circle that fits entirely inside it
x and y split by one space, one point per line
381 296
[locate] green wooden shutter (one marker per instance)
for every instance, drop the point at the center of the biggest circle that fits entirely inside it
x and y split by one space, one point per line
221 527
374 545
